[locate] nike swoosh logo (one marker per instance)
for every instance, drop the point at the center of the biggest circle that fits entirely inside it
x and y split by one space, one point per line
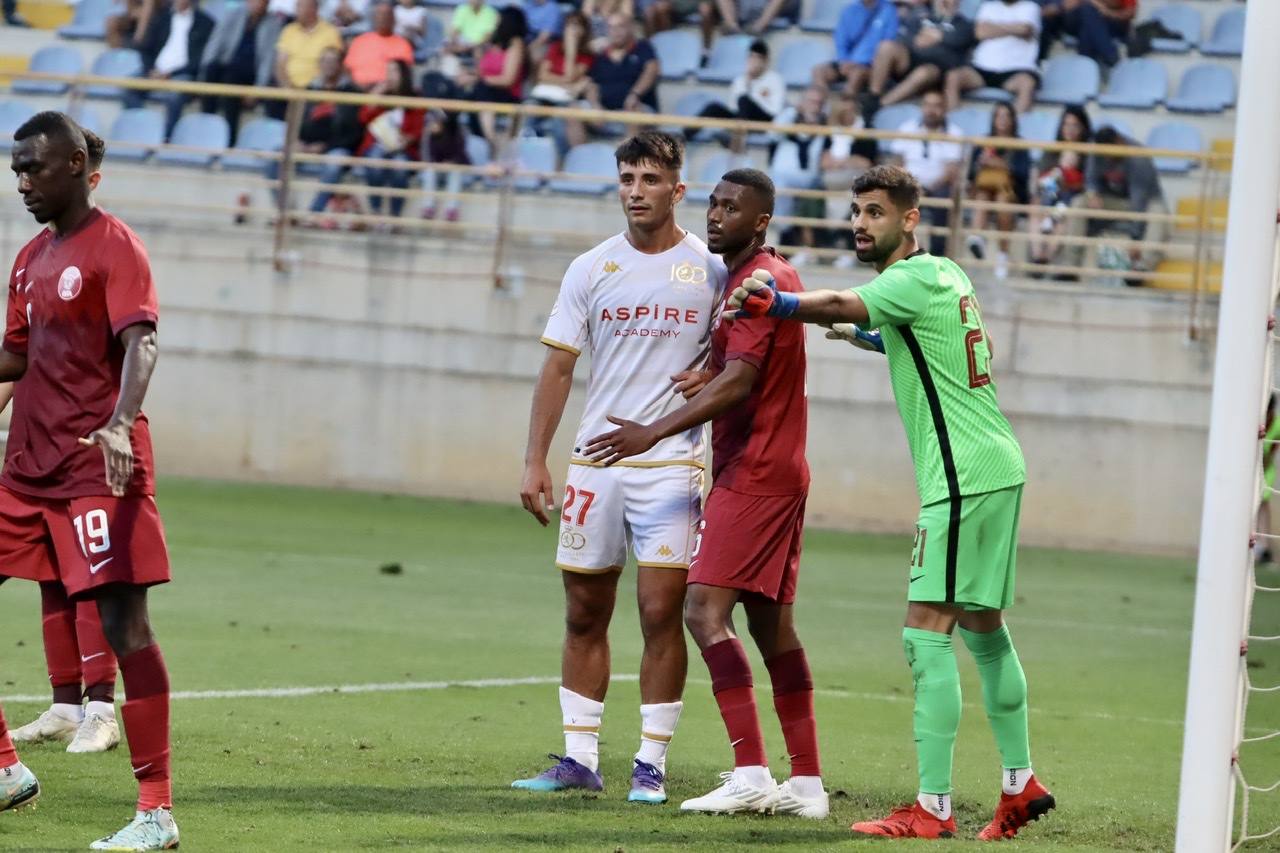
916 578
86 659
734 743
138 770
93 567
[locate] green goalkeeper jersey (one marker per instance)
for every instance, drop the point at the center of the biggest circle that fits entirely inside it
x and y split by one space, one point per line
940 367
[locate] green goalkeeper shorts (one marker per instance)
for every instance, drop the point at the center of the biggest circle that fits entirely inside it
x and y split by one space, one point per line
966 551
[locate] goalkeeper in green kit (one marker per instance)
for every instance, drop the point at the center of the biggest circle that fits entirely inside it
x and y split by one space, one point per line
969 471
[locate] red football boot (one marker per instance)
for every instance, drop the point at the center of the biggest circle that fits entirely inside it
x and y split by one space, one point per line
1017 810
913 821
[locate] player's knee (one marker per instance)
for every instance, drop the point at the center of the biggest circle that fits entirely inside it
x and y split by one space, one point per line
585 623
659 617
702 621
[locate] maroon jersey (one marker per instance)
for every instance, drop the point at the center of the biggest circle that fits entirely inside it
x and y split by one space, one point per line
70 297
757 447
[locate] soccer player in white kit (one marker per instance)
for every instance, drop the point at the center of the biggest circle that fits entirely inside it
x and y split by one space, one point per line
643 303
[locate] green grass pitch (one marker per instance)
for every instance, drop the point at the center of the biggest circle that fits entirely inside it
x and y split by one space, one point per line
280 587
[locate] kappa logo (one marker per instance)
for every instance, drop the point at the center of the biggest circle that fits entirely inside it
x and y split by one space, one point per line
612 266
573 540
664 551
69 283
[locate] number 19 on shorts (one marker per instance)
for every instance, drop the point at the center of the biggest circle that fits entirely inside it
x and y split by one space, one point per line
94 532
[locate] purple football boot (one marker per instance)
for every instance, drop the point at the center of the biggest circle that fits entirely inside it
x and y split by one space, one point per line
647 784
565 775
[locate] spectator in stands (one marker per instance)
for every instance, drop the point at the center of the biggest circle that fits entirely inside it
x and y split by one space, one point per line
862 26
443 141
501 69
546 24
796 164
470 27
624 77
411 24
1059 179
300 47
750 16
328 127
1001 175
1008 34
599 12
563 72
171 49
663 15
926 48
371 53
241 51
11 16
844 158
391 134
346 15
127 28
758 94
1096 24
936 164
1120 183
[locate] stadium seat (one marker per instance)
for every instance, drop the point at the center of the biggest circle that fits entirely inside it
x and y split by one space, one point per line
973 121
534 154
114 63
1069 79
895 116
1228 34
478 152
1099 122
198 130
797 60
12 116
969 8
678 53
719 163
1215 214
1138 84
1205 88
990 94
1182 18
728 59
1183 276
432 39
1040 125
591 158
89 22
261 134
1179 136
141 129
87 117
51 59
823 16
690 105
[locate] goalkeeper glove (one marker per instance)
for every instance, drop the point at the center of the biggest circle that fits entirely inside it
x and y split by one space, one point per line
758 296
859 337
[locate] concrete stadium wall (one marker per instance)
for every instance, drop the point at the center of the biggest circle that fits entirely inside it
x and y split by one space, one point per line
390 363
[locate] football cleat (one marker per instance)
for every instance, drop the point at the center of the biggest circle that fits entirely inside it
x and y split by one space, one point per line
98 733
18 787
1017 810
647 784
48 726
789 802
149 830
735 794
913 821
565 775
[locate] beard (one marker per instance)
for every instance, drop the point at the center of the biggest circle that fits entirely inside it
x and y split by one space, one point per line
879 249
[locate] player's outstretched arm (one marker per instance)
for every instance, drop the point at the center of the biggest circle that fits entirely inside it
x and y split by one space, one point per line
140 353
758 296
12 366
728 389
537 492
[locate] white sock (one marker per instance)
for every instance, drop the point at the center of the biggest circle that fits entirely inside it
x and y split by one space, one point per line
13 771
754 774
102 709
1013 780
581 728
67 711
657 725
938 805
806 786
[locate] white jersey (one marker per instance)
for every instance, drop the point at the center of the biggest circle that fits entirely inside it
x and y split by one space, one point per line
644 318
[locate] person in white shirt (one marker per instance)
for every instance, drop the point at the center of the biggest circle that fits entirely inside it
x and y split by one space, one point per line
643 304
171 49
1008 33
757 94
934 163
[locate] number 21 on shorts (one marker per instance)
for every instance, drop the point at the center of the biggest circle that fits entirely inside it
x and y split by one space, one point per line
917 548
94 532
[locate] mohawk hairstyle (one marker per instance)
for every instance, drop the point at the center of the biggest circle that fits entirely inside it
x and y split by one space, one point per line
96 148
59 127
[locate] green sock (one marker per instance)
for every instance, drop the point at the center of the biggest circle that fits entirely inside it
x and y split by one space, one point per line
937 715
1004 691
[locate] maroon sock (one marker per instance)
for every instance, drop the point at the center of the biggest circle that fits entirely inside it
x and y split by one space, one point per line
793 700
61 654
8 755
731 683
146 724
96 657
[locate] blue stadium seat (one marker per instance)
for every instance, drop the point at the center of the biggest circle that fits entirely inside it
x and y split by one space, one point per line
719 163
1039 125
12 116
141 129
797 61
972 121
895 116
1205 88
114 63
1138 84
478 153
1183 19
534 154
969 8
261 134
1099 122
1178 136
728 59
89 20
989 94
690 104
824 16
199 130
87 117
1069 79
432 39
678 53
50 59
1228 34
591 158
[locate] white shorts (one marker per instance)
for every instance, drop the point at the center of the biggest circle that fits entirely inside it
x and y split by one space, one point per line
654 510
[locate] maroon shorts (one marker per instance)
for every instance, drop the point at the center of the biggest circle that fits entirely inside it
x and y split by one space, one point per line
751 543
83 542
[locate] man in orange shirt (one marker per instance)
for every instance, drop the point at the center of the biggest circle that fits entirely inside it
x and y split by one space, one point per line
369 53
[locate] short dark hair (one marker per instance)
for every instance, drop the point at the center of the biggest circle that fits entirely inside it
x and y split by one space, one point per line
761 47
96 148
757 180
1108 135
900 185
652 146
55 125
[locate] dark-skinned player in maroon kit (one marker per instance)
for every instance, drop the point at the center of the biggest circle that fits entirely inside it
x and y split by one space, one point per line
77 490
748 549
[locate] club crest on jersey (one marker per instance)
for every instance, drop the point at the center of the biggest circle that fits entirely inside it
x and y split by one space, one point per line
686 276
69 283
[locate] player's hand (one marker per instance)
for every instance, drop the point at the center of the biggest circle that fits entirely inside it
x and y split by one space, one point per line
690 382
629 439
117 451
537 493
856 335
758 296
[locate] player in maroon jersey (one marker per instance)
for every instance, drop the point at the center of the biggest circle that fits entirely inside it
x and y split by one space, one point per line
748 549
77 491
